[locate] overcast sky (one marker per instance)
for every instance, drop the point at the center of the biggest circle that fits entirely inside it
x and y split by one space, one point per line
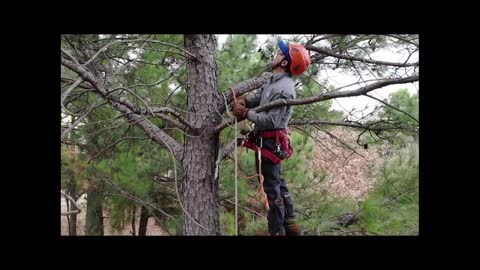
339 78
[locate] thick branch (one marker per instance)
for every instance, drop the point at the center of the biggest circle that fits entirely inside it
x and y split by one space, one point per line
148 110
322 97
229 147
224 124
172 111
374 126
67 92
81 85
334 94
245 87
73 201
353 58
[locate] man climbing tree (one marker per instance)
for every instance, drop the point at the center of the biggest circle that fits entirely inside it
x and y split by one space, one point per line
270 139
131 75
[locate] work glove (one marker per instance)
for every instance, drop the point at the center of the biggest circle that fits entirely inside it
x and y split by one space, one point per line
239 110
242 100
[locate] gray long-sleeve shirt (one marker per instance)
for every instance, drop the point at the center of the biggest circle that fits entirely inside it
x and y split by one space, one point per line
280 86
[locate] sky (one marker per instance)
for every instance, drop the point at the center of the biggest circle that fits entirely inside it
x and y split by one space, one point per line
339 79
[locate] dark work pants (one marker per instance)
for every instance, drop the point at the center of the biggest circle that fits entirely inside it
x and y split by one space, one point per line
279 199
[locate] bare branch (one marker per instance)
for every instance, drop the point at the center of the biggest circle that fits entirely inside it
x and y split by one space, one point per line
381 101
403 39
70 56
120 104
323 37
245 208
81 85
113 144
317 141
353 58
74 203
104 48
148 110
334 94
224 124
79 120
374 126
134 198
67 92
321 122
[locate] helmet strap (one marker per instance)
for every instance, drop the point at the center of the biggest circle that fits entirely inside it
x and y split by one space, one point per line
279 63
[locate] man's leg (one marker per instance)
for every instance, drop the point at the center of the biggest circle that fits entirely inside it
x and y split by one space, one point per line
271 186
292 228
287 200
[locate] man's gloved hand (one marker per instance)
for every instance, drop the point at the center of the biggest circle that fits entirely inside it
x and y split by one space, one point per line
240 111
242 100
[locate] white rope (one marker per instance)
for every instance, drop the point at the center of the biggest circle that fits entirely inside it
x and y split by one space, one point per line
235 158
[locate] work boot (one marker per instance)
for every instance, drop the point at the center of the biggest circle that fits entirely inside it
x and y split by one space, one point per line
262 233
292 228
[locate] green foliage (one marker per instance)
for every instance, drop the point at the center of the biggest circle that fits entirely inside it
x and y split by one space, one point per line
254 225
401 99
227 223
174 226
399 128
119 212
392 209
321 215
236 60
73 167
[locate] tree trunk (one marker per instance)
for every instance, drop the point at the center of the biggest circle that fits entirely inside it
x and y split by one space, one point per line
142 224
94 220
199 186
134 215
72 191
72 221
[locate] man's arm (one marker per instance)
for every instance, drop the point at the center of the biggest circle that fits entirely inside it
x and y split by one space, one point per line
254 101
270 119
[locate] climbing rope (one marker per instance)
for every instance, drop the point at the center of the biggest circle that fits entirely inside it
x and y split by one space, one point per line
260 191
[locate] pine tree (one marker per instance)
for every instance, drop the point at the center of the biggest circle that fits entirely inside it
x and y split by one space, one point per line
171 91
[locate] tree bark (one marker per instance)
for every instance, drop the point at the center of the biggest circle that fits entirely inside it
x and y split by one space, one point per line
72 222
134 214
142 224
199 186
94 220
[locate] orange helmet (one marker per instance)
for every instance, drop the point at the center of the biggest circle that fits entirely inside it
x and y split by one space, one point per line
296 55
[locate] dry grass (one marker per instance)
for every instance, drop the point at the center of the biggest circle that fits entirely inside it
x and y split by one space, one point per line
349 174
